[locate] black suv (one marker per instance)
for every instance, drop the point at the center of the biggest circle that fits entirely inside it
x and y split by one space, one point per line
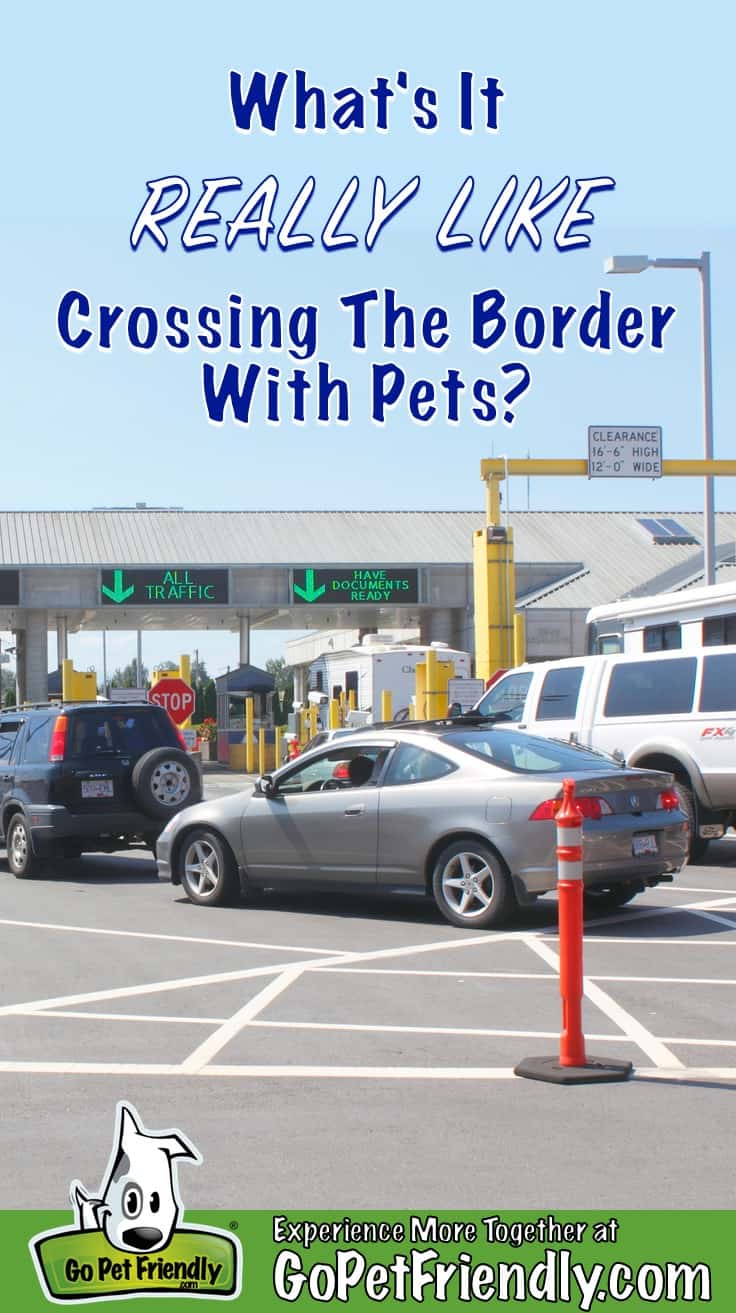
89 777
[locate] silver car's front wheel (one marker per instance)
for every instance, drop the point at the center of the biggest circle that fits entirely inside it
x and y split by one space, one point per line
207 868
470 885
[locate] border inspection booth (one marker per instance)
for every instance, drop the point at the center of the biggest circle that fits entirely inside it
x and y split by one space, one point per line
232 690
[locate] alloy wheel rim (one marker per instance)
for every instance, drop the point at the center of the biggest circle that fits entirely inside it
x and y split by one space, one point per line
467 885
170 783
201 868
19 848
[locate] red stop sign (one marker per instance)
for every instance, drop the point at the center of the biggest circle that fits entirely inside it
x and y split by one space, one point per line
174 696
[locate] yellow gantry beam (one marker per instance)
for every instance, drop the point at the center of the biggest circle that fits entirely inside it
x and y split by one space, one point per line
493 554
498 467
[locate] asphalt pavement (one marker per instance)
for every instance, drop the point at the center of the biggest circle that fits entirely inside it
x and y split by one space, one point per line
347 1051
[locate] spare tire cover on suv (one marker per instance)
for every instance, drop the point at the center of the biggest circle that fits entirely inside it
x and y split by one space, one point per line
166 780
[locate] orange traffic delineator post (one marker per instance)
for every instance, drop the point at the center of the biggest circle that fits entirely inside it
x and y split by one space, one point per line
572 1067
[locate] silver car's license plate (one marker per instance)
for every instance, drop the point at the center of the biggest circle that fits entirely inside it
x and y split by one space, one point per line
643 844
97 789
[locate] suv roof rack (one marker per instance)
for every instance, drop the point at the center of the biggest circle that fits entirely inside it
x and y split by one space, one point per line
32 706
59 702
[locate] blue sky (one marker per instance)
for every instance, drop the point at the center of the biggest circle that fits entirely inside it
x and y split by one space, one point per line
97 101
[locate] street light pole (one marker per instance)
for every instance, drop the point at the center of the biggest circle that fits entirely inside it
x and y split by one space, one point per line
709 538
635 264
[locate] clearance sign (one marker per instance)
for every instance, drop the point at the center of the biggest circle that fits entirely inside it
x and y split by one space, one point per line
348 583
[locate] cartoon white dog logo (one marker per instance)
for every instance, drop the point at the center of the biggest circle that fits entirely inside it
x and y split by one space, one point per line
138 1205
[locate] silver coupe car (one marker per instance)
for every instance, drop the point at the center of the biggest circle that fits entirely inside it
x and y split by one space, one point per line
462 812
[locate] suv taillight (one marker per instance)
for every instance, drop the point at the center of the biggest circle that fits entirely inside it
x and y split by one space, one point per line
182 740
58 739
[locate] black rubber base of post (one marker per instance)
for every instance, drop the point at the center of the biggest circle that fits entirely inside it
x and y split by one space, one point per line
596 1070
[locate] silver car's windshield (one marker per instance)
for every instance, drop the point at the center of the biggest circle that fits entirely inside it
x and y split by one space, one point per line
526 755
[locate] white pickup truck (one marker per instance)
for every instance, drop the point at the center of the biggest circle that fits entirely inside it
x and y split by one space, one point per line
673 711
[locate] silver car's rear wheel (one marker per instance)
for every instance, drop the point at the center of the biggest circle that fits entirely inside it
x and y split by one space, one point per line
207 869
471 886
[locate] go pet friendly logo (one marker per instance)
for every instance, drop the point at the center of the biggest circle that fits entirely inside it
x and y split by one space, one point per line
127 1239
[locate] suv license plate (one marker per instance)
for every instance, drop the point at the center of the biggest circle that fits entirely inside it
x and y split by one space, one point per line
103 789
644 843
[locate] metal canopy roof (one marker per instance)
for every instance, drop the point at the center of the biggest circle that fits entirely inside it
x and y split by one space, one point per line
616 554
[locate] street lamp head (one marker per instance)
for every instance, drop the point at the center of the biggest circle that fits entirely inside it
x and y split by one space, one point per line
626 264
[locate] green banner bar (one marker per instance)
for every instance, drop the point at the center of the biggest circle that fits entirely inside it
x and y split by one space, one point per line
364 1260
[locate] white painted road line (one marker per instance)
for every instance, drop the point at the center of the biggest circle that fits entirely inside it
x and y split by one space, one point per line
258 1072
459 974
132 991
706 905
646 942
201 1056
365 1073
333 1073
200 1062
174 939
701 1043
635 914
424 1030
711 916
689 888
128 1016
93 1068
247 973
688 1074
661 980
654 1048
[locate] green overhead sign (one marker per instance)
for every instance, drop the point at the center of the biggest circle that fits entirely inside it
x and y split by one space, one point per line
178 585
348 583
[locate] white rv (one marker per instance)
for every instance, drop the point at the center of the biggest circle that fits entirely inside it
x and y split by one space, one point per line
375 665
690 619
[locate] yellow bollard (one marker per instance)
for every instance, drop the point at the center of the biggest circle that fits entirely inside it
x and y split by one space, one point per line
334 714
439 674
277 749
351 700
67 679
313 720
185 673
494 594
430 692
519 638
343 708
250 764
261 751
420 691
386 709
77 685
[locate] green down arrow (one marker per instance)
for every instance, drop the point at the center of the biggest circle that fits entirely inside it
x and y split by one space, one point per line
118 593
309 592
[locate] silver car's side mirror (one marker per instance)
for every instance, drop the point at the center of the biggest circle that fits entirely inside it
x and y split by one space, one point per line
266 786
